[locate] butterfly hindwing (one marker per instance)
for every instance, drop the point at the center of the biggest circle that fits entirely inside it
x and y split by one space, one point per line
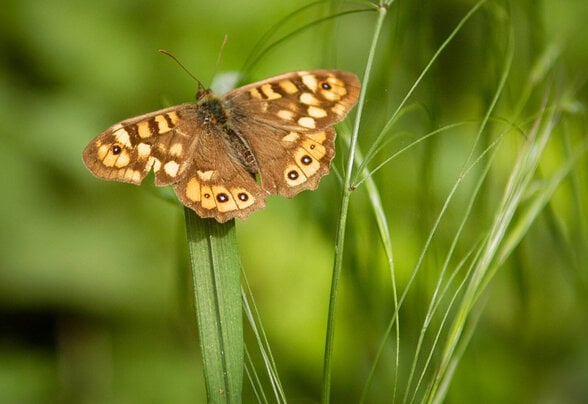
216 184
290 162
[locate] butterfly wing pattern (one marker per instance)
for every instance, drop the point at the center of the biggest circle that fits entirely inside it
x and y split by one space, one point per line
224 155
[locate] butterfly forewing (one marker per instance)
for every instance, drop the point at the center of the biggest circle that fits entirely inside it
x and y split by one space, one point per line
225 154
128 150
298 101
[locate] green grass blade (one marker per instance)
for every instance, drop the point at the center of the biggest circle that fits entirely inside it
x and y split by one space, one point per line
344 206
216 270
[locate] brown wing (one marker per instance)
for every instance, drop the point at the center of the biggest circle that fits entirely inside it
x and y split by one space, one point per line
162 139
287 121
299 101
215 184
290 162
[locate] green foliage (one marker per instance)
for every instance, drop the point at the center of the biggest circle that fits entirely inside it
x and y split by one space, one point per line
443 260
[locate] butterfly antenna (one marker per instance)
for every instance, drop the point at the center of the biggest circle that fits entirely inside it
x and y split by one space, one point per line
168 53
220 53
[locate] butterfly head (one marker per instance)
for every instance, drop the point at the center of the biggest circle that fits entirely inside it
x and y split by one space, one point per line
203 92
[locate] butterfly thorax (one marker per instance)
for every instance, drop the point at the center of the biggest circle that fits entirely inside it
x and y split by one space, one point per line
216 120
211 110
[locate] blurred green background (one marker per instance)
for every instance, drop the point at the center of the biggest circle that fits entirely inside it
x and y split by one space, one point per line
95 289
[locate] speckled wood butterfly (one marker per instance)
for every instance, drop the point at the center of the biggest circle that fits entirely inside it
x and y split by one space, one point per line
223 155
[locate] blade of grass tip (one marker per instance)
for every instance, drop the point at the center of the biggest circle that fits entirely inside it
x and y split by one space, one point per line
297 32
536 206
257 48
524 172
387 127
341 225
216 270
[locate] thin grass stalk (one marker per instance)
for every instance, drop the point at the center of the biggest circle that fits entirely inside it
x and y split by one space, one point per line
384 233
254 379
295 32
342 222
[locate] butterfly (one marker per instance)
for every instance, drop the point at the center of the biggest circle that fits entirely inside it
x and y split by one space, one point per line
224 154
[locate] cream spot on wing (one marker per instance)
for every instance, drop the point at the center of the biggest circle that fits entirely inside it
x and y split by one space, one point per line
306 163
122 137
337 90
205 175
123 159
291 137
132 176
117 160
269 93
285 115
242 198
254 92
143 150
163 124
173 117
102 151
318 137
156 163
316 112
288 86
193 190
316 150
171 168
339 109
338 85
309 99
310 81
176 149
207 200
330 95
307 122
224 200
143 129
294 176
